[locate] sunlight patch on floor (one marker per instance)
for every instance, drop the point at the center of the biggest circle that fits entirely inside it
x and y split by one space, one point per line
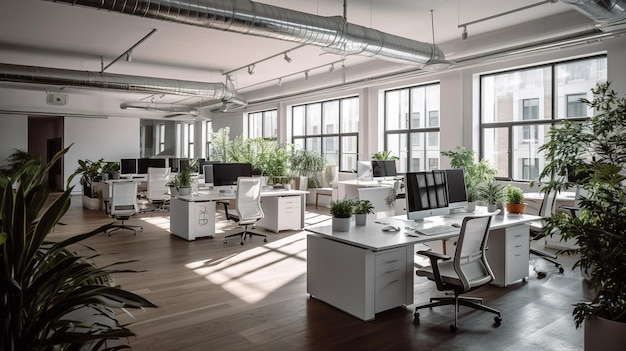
161 222
254 274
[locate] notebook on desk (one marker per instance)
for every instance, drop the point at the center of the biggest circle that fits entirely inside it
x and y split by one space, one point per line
439 229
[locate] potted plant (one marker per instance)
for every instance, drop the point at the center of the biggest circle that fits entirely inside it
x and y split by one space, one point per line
384 155
110 170
475 173
51 297
361 209
594 152
184 182
308 164
492 193
89 171
173 184
514 199
342 214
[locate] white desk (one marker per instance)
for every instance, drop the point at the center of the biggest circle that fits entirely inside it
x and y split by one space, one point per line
193 216
366 271
348 188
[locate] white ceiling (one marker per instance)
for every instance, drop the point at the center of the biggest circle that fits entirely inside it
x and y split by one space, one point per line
47 34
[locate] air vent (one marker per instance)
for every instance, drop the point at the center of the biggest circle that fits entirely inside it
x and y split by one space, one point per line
56 99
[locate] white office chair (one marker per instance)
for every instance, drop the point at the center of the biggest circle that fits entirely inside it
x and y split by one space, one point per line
467 271
330 174
248 206
124 205
538 231
157 191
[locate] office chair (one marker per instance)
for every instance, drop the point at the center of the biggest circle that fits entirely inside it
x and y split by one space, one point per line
124 205
538 231
467 271
332 185
157 191
248 206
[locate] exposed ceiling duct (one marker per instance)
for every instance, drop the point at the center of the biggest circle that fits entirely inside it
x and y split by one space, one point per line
332 34
103 80
175 109
604 11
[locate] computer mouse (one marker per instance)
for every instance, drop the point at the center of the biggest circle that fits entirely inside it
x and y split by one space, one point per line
456 225
391 228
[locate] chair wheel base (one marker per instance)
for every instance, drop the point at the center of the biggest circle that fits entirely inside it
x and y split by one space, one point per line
453 328
497 320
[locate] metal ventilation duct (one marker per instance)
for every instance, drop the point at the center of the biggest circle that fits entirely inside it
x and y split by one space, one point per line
605 11
332 34
103 80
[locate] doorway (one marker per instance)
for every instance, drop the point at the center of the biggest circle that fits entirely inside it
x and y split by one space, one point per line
45 139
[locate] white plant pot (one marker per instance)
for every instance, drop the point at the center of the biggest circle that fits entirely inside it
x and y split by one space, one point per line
184 191
492 207
173 191
603 334
471 206
92 203
360 219
341 224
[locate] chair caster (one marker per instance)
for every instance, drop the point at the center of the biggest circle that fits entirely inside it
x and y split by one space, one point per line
453 328
541 275
416 315
265 240
241 243
497 321
224 241
561 270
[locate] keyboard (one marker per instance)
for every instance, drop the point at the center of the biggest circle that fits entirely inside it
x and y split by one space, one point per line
439 229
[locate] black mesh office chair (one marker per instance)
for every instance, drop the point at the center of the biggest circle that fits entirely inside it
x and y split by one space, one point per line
467 271
538 231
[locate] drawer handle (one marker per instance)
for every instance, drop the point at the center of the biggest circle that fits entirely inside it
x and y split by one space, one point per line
518 245
393 270
391 261
392 282
518 235
518 255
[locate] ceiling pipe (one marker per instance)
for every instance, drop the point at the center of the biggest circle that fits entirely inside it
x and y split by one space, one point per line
160 106
604 11
332 34
110 81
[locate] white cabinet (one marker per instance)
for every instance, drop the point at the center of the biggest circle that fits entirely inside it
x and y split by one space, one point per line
508 253
359 281
281 213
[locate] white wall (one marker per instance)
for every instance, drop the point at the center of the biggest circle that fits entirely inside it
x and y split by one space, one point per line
112 138
13 135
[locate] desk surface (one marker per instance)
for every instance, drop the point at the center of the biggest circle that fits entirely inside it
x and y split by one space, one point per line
565 195
368 183
216 196
374 238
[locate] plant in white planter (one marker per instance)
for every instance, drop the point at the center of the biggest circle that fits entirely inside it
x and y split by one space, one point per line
593 154
361 209
492 193
342 214
184 182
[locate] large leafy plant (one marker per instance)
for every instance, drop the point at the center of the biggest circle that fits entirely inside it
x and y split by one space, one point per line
308 164
593 154
88 171
476 173
44 284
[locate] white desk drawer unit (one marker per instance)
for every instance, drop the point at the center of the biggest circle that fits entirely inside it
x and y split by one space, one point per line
390 279
281 213
508 254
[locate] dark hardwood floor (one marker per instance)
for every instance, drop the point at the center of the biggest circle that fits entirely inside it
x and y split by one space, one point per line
215 296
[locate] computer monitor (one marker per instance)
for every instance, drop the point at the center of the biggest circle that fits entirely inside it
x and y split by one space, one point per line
203 162
207 170
426 194
364 170
384 168
183 164
173 163
225 175
457 189
128 166
144 163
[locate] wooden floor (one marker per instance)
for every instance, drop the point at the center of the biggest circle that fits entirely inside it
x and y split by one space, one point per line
213 296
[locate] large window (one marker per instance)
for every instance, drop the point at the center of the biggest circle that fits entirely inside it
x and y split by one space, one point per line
160 138
263 124
188 140
412 127
518 107
329 128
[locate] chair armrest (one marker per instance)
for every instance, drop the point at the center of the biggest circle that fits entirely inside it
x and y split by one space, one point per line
434 255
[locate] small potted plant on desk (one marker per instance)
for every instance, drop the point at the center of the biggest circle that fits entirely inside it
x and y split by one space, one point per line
184 182
492 193
342 214
514 199
173 184
361 209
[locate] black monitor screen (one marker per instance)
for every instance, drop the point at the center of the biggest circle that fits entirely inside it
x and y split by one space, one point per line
173 163
227 173
384 168
426 190
144 163
455 180
202 163
183 164
128 166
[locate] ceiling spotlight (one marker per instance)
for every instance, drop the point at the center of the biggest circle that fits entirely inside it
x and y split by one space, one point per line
251 69
464 34
331 68
129 56
287 58
306 75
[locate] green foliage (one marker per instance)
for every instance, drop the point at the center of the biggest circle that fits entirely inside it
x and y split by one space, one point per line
475 173
111 167
342 208
384 155
17 159
514 195
88 171
363 207
183 179
595 150
491 192
43 282
308 164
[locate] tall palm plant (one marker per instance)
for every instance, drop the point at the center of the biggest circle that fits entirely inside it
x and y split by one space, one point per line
43 284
